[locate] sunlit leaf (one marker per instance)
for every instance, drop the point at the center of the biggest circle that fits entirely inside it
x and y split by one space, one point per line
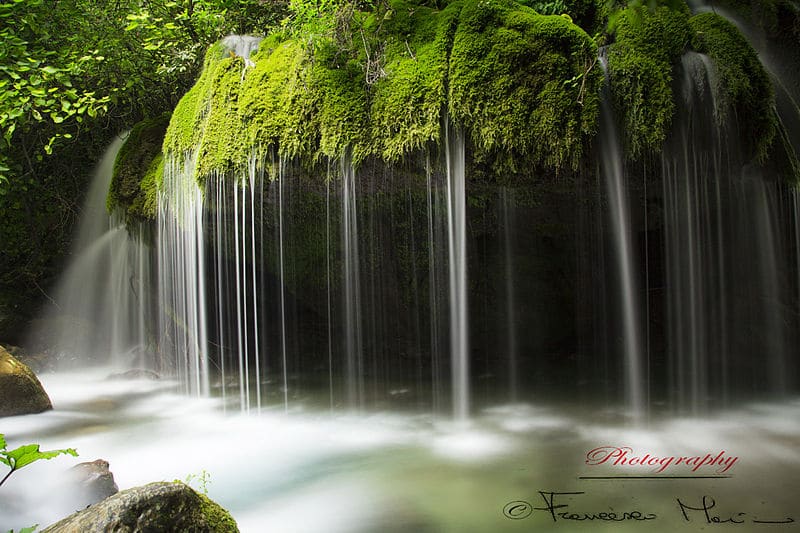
30 453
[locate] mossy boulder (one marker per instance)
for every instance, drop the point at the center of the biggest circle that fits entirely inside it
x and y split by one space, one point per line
523 84
743 86
647 45
157 506
138 170
21 393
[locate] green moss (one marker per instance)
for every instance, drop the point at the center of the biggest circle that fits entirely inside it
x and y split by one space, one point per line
648 43
135 177
523 84
407 102
217 519
379 86
743 86
642 93
662 33
585 13
338 83
276 104
147 203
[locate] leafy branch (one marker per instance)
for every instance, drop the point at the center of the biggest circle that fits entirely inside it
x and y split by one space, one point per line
25 455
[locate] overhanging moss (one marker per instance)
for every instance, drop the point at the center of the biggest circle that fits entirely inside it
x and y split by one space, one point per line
523 84
640 62
407 102
743 86
378 88
136 172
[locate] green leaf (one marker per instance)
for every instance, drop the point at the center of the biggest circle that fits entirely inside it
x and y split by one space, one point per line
30 453
2 437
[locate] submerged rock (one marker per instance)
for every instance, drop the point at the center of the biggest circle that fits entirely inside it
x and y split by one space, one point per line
21 393
160 506
136 373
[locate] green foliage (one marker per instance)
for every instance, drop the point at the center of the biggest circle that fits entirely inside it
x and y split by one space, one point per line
202 479
26 529
315 20
552 7
743 86
38 84
103 65
25 455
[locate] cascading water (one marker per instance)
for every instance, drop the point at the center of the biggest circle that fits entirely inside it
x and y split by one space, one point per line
353 347
457 241
717 211
102 306
507 207
181 269
612 169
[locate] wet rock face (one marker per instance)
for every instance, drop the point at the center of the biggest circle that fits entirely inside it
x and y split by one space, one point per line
21 393
157 506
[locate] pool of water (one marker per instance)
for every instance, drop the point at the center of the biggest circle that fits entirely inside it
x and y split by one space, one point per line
310 470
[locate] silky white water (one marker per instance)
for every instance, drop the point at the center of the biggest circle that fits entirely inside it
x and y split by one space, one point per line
312 471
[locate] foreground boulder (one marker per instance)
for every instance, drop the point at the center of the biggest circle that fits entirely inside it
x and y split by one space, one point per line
21 393
158 506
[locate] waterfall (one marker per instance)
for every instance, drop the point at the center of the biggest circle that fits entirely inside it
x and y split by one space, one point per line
726 259
457 247
181 268
507 205
612 168
243 46
354 351
102 306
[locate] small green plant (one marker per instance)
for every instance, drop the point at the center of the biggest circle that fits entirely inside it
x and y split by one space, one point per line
549 8
202 480
25 455
25 529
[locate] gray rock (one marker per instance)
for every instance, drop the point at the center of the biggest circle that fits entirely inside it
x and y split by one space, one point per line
21 393
155 507
93 482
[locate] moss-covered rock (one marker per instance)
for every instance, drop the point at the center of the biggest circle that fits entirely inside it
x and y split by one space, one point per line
640 62
154 507
743 86
523 84
408 100
138 170
21 393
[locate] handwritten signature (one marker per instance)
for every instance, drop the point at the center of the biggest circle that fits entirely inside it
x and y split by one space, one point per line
702 511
